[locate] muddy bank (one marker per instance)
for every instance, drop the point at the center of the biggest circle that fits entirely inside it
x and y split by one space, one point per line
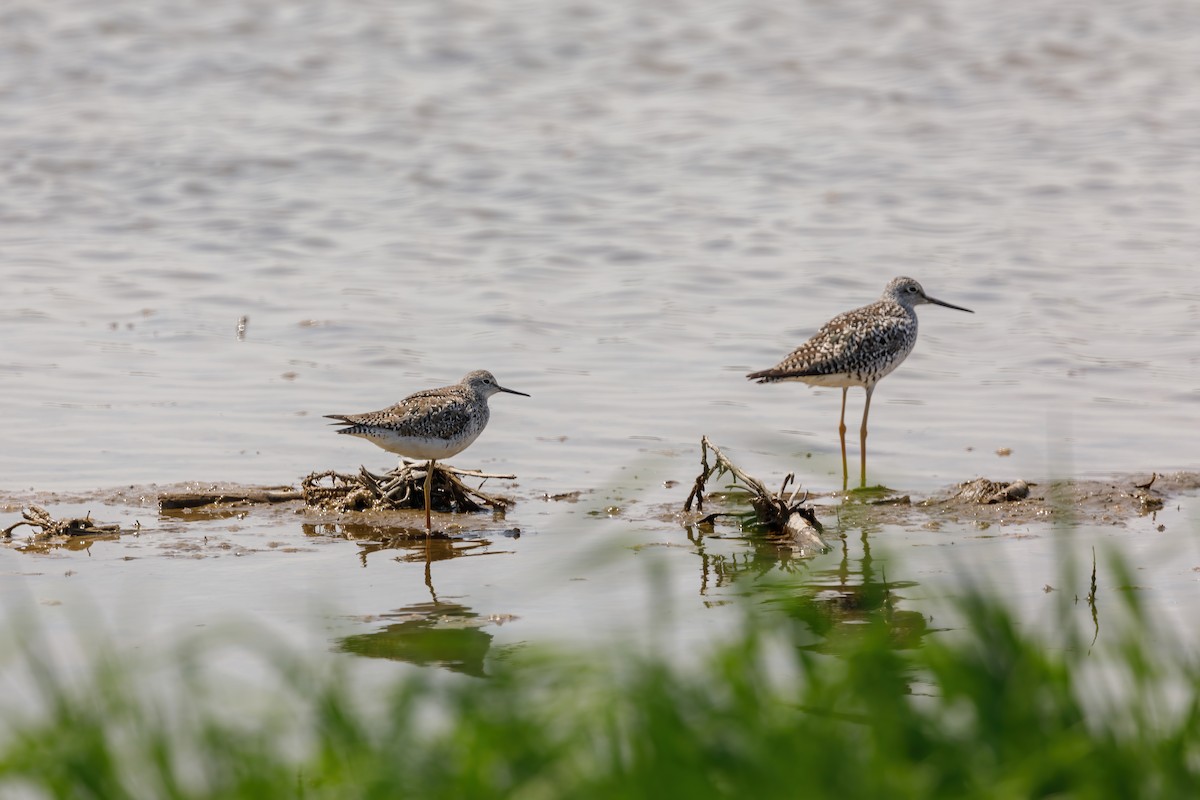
986 502
983 502
1094 502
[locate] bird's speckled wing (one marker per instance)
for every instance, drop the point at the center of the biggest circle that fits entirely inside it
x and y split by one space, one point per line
433 412
859 342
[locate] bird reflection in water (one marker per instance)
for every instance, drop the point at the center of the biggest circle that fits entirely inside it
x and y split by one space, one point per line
434 633
832 599
446 635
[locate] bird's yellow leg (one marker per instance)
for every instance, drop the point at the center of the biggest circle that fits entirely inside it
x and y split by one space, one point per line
862 435
428 495
842 436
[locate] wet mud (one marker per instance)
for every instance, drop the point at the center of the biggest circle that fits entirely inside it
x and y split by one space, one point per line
1017 502
985 502
32 523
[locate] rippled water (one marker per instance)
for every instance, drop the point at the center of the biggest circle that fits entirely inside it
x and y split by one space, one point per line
619 208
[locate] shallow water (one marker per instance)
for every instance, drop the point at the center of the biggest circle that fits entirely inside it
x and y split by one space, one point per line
617 209
569 577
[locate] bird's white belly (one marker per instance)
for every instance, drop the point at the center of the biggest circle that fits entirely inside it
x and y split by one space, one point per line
419 447
837 379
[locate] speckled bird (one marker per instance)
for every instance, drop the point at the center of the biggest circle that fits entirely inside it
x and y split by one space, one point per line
430 425
858 348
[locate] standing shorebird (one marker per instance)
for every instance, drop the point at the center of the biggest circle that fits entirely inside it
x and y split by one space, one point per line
858 348
429 425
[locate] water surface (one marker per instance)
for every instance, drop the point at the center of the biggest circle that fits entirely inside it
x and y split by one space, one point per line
620 209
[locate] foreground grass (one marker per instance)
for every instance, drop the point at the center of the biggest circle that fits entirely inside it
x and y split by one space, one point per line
985 711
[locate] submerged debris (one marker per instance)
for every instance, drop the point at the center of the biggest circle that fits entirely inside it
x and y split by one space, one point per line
1147 499
986 492
785 519
38 517
1014 502
402 488
1078 495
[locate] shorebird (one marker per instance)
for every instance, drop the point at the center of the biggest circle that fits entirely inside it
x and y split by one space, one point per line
858 348
429 425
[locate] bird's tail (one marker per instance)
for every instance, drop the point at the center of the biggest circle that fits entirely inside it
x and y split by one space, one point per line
765 376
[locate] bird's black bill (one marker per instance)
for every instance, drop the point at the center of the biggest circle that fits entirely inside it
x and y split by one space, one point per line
511 391
948 305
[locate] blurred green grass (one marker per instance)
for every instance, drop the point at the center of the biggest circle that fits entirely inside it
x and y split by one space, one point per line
987 710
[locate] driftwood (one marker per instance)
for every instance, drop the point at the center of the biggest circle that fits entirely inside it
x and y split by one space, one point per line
176 500
782 517
404 487
38 517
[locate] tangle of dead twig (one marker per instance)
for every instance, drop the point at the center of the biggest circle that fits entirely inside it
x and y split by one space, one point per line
400 488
